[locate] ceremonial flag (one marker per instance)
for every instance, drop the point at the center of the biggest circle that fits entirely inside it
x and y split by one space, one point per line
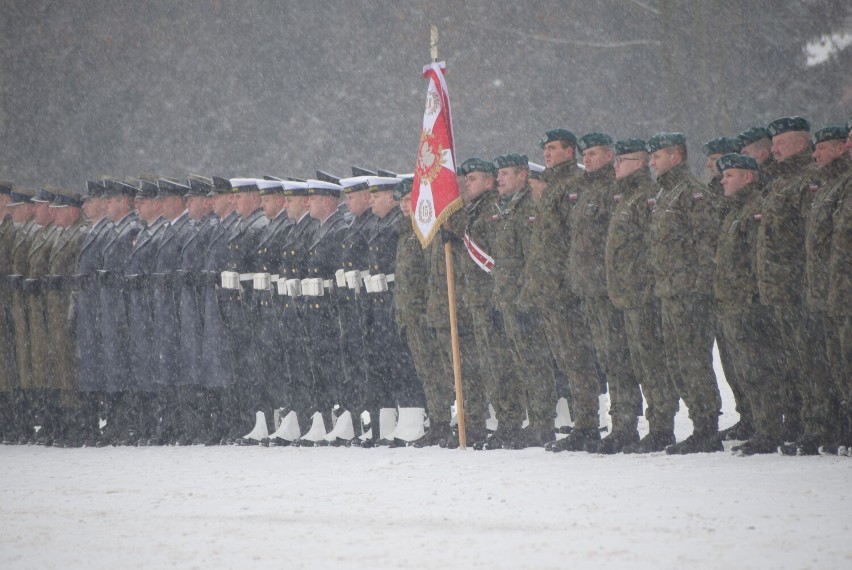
435 194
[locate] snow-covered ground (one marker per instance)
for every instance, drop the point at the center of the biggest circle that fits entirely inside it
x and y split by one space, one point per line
233 507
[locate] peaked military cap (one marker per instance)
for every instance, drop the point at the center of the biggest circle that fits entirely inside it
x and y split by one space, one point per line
787 124
511 159
294 179
21 195
627 146
665 140
358 171
94 189
6 187
387 173
118 188
65 198
590 140
475 164
294 188
199 186
402 189
536 170
243 185
275 178
558 135
830 133
322 188
736 160
269 187
326 177
44 196
382 183
722 145
355 184
168 187
221 186
147 190
752 135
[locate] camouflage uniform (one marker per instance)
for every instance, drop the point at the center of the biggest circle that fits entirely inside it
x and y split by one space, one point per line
781 282
512 242
744 320
821 222
587 268
411 290
839 304
684 230
546 285
437 312
630 284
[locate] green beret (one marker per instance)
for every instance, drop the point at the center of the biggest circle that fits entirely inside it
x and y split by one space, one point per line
734 160
626 146
593 139
558 135
665 140
402 189
722 145
511 159
753 135
476 165
786 124
830 133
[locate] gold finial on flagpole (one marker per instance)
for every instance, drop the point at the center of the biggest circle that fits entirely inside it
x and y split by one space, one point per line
433 43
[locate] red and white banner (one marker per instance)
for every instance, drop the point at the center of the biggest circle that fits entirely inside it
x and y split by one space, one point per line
435 194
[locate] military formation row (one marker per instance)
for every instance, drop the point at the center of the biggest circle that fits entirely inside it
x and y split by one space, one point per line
607 267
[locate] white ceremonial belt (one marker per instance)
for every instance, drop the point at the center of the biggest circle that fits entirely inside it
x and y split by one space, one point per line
246 276
290 287
378 283
262 281
230 280
353 279
314 286
340 277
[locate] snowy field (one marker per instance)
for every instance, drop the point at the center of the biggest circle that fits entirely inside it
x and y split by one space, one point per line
233 507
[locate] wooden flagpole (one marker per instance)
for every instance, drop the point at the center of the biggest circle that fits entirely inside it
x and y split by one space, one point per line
451 299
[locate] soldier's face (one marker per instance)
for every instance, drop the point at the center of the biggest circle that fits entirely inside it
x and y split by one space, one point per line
21 213
735 179
382 203
246 203
172 206
557 152
198 206
296 206
662 161
787 144
597 157
42 213
405 205
757 150
510 180
627 164
477 183
710 164
148 209
321 207
827 151
358 202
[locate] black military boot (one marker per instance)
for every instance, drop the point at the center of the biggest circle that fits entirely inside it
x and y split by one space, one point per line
740 431
577 440
704 439
531 437
757 445
434 436
614 442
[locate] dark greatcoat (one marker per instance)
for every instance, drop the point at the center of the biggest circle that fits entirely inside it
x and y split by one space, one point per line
87 322
140 266
115 326
166 336
191 289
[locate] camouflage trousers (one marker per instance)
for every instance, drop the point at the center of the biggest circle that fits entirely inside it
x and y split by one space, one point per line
750 331
473 383
688 323
606 322
570 341
732 373
644 327
429 361
521 374
840 355
808 374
